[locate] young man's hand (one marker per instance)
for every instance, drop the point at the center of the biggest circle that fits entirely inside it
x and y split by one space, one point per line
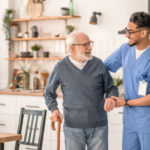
119 101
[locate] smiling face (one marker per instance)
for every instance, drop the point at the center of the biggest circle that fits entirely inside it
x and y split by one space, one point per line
134 34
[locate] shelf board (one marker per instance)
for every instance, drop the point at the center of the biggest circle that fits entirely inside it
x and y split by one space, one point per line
34 59
45 18
25 93
39 38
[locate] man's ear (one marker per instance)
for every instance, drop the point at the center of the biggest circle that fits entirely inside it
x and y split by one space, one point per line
72 48
144 33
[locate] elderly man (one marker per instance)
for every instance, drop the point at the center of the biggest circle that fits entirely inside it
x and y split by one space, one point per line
84 80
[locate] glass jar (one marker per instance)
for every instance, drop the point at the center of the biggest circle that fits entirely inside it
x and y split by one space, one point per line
26 81
36 83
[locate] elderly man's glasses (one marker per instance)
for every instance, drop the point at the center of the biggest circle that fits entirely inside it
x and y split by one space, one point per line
86 45
131 31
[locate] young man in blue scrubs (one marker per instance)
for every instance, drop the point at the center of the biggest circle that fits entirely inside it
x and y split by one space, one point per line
134 58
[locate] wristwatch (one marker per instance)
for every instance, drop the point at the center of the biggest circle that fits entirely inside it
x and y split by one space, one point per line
126 103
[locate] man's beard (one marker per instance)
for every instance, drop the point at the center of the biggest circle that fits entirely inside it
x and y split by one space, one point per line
83 56
133 44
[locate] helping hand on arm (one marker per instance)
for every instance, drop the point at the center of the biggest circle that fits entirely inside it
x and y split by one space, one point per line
143 101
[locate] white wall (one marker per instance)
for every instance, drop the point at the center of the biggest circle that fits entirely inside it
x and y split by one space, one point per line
115 15
3 48
4 65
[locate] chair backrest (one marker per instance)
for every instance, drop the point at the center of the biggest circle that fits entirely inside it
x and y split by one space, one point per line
31 126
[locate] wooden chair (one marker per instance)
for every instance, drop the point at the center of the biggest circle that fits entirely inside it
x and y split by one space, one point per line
32 124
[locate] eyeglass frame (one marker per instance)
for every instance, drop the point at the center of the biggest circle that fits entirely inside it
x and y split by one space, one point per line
132 32
86 45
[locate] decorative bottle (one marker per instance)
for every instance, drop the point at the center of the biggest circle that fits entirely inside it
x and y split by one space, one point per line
26 81
36 81
71 5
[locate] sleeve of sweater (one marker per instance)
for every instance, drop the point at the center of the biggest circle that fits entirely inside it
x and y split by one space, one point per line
109 88
50 90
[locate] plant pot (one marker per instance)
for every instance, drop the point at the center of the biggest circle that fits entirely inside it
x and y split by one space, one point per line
35 34
26 35
65 11
26 54
35 54
46 54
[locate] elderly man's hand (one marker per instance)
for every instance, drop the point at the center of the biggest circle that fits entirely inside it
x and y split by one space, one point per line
110 104
54 117
119 101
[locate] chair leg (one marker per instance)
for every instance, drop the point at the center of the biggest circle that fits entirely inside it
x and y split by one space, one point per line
17 146
1 146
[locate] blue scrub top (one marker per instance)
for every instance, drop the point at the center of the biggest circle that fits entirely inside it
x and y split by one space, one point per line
134 70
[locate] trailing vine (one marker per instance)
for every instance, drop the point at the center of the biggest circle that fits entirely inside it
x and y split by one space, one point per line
7 26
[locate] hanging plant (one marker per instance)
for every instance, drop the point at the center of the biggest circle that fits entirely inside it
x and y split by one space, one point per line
7 26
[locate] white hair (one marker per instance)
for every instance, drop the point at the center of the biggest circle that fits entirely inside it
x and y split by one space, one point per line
72 39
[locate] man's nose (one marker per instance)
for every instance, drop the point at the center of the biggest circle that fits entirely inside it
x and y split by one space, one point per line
90 47
127 35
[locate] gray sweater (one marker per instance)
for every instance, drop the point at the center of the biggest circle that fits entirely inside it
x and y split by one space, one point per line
83 92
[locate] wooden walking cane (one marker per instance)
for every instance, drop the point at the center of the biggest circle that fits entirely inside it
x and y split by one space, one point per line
58 131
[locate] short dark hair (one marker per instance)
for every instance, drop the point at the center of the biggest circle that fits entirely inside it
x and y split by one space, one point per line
141 19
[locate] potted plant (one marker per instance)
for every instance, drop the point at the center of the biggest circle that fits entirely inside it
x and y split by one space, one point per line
117 81
7 26
69 28
35 48
26 34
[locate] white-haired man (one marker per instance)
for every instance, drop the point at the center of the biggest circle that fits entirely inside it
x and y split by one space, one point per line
84 80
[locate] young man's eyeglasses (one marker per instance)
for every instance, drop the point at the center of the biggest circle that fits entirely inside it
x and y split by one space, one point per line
131 31
86 45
